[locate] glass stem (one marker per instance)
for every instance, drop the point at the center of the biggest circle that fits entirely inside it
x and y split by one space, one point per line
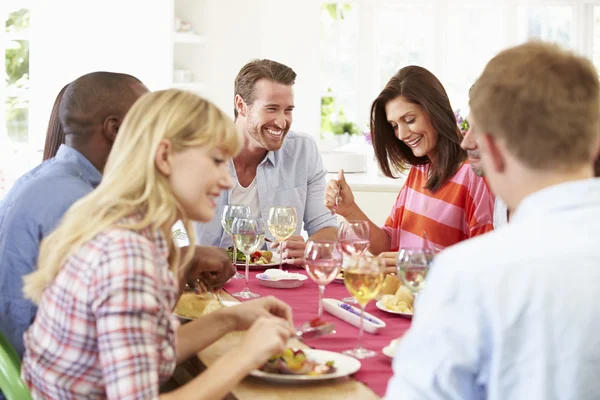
360 330
234 253
247 272
280 255
321 293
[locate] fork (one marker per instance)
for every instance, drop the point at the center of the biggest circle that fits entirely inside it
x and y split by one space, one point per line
180 235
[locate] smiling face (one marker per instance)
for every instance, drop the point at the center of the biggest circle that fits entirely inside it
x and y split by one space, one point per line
198 197
269 117
469 144
412 126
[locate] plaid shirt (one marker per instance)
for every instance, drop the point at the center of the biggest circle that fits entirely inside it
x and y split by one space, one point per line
104 328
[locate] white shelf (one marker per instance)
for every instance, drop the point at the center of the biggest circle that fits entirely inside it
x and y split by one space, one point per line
188 38
190 86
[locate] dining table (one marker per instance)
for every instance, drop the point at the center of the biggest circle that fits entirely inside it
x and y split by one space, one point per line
369 382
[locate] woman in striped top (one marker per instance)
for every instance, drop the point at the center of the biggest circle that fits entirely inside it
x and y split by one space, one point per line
413 125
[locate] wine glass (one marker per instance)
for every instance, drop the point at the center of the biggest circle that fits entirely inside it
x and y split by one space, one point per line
249 235
354 238
363 278
282 225
231 212
323 260
413 265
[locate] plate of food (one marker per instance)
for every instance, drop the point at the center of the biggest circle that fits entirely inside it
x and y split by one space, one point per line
260 259
306 365
192 306
400 303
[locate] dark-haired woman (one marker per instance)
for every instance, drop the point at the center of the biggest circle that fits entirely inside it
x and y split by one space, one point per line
55 136
413 125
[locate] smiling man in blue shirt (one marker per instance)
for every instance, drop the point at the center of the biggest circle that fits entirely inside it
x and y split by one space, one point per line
276 167
91 112
514 314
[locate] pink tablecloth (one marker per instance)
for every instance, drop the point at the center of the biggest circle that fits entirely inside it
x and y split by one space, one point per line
375 372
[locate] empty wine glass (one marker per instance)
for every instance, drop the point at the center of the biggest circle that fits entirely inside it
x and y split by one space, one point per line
363 278
323 260
231 212
354 238
249 235
282 224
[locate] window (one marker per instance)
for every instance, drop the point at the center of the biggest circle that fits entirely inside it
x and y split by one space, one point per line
339 55
15 154
453 39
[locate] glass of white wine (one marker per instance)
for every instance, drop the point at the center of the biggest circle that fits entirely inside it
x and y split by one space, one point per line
282 224
412 266
231 212
249 236
354 238
363 277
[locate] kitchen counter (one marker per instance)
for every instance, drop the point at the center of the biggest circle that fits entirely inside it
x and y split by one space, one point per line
371 181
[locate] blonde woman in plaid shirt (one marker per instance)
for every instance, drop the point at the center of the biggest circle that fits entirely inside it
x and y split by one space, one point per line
106 280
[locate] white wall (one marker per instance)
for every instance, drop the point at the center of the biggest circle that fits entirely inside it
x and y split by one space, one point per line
286 31
74 37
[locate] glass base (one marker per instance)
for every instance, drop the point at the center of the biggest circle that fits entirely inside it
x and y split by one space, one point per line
238 276
350 300
360 353
246 294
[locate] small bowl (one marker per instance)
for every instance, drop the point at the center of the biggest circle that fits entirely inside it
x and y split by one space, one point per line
278 279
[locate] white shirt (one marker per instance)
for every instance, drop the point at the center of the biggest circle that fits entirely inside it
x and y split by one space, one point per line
292 176
247 196
500 213
515 313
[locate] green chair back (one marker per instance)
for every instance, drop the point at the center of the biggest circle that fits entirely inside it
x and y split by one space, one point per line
11 384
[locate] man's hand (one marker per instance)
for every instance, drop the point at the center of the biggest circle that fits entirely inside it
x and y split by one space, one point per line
389 259
211 265
293 250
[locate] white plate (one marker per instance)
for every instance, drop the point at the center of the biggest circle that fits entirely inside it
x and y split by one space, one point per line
381 306
226 303
344 366
278 279
372 324
390 349
274 263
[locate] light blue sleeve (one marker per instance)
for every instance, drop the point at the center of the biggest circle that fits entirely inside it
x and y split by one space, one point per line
316 215
440 357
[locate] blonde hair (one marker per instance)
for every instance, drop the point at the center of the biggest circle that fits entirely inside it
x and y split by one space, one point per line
544 101
131 182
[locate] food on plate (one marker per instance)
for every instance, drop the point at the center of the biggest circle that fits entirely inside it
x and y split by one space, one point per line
191 305
258 257
295 362
391 284
401 301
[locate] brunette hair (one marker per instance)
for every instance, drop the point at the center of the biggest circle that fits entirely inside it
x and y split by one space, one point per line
55 136
256 70
418 86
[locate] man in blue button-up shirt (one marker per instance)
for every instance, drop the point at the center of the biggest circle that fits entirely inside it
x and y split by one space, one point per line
276 167
91 112
515 314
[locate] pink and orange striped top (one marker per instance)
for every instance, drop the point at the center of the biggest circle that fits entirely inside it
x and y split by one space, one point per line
461 209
